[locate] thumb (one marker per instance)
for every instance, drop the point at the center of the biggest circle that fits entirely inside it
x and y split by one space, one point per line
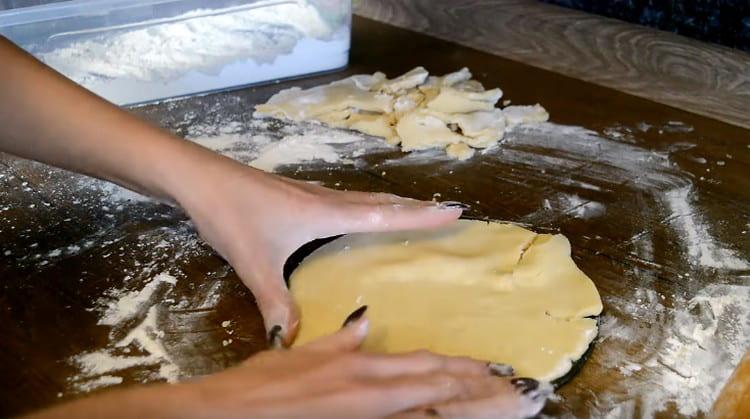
349 338
280 313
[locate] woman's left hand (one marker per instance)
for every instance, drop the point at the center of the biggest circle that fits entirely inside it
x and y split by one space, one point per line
256 220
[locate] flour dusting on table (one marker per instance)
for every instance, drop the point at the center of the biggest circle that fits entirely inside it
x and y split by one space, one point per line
672 350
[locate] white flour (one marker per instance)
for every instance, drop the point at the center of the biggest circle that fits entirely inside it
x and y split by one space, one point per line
199 40
704 339
141 346
129 304
292 145
575 206
701 247
297 149
692 341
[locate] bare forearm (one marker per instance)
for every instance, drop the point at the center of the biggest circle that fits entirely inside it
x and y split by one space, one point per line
156 401
45 117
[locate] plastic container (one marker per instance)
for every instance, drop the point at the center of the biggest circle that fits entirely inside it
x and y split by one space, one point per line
133 52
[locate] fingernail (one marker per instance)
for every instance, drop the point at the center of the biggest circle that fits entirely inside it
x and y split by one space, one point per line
500 370
453 205
539 396
525 385
356 314
275 340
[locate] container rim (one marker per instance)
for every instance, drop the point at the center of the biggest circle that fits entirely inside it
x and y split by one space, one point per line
72 8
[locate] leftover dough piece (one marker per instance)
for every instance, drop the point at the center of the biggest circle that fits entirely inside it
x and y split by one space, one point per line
407 102
415 109
490 291
378 125
520 114
482 128
421 130
406 81
459 151
297 104
433 84
451 100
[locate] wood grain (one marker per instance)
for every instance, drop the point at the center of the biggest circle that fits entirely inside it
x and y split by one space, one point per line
734 399
633 250
706 79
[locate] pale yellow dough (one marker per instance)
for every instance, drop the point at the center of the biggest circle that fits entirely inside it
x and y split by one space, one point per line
416 110
491 291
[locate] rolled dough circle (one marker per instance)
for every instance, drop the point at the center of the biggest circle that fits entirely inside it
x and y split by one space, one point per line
490 291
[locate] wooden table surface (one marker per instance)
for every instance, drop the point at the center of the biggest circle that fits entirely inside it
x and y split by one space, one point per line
707 79
655 202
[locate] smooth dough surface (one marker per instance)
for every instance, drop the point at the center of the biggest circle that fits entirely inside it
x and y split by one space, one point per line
491 291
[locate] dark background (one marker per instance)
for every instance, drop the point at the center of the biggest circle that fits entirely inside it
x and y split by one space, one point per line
725 22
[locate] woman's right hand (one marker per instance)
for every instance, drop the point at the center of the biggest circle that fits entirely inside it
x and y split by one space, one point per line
330 378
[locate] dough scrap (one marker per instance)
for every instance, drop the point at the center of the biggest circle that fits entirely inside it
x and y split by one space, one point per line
451 100
420 130
491 291
415 110
521 114
460 151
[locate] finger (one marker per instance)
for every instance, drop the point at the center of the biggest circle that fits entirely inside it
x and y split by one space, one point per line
393 395
388 217
424 362
349 338
280 313
509 399
385 198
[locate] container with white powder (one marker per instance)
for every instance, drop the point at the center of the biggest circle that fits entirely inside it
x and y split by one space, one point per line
137 51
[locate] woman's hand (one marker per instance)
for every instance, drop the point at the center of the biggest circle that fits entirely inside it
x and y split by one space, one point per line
329 379
253 219
256 221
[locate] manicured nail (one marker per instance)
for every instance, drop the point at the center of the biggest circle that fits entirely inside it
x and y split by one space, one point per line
453 205
275 340
525 385
356 314
500 370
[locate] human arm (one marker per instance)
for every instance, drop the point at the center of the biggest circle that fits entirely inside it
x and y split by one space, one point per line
328 378
253 219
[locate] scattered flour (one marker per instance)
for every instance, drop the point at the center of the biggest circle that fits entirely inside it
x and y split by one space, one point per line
116 193
575 206
706 333
289 144
711 333
296 149
99 382
129 304
701 247
141 346
687 362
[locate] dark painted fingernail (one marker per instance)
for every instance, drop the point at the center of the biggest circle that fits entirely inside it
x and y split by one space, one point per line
453 205
500 370
525 385
432 412
275 340
356 314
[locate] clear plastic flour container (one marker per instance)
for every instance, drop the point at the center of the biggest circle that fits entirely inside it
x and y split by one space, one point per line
138 51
